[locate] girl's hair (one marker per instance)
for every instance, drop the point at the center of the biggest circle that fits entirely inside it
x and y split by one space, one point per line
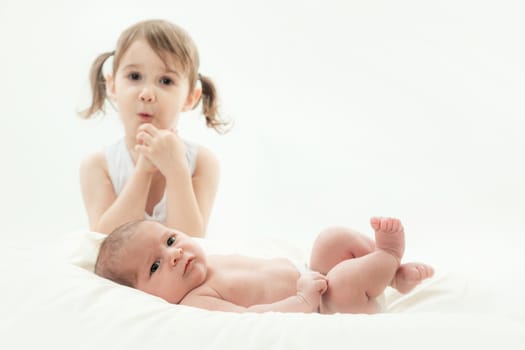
167 40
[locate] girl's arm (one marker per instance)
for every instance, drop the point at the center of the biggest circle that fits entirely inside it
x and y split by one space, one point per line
105 210
190 199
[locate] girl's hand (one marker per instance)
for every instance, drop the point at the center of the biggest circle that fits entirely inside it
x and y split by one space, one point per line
310 286
162 148
142 162
145 165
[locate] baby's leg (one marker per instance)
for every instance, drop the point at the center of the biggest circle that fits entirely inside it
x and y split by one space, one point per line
354 284
336 244
409 275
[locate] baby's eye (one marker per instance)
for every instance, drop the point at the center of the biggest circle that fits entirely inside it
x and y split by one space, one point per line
166 81
154 267
170 240
134 76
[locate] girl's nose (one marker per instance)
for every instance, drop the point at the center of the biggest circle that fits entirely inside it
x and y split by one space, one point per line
146 95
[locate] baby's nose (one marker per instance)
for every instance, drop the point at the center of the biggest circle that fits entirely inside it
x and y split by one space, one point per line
176 255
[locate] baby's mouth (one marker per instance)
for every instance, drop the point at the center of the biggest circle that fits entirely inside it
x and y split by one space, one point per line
188 263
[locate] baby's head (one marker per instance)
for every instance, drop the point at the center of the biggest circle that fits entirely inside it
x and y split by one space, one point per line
153 258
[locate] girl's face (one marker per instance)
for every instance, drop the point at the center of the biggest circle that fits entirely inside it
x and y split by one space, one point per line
167 263
146 90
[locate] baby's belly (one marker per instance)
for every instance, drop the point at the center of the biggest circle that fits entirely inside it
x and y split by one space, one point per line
265 283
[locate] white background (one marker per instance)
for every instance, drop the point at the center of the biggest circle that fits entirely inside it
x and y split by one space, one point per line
342 110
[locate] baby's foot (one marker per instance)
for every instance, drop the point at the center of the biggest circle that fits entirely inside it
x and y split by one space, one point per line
410 275
390 236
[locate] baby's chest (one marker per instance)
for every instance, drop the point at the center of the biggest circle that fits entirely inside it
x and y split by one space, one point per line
258 283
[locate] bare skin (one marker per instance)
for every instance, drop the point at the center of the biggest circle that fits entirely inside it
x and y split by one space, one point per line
151 94
355 283
335 244
410 275
173 266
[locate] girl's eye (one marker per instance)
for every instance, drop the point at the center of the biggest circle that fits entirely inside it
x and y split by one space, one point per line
170 240
166 81
154 267
134 76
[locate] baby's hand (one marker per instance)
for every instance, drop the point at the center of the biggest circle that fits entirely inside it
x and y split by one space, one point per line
310 286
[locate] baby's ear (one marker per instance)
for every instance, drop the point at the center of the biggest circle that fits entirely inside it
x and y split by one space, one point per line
193 98
110 86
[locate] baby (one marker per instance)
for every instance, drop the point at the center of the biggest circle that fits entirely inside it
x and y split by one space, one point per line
347 270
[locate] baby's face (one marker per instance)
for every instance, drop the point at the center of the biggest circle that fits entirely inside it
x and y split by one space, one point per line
168 263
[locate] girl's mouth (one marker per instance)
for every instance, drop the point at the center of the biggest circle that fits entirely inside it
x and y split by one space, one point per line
145 117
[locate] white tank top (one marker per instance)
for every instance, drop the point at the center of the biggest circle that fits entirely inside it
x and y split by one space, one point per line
121 166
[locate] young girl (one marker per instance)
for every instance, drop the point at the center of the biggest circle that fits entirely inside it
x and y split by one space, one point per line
152 172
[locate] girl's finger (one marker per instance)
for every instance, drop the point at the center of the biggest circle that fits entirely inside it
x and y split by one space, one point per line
142 149
144 138
149 128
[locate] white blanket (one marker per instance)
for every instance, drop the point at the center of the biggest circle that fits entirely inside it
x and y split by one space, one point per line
51 299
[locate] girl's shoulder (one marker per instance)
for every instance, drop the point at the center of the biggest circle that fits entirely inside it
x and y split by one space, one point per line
204 152
199 156
98 158
206 161
93 161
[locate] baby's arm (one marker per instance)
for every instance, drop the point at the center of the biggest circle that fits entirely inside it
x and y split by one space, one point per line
310 287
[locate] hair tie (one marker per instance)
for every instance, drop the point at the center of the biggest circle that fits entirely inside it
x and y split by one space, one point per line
199 76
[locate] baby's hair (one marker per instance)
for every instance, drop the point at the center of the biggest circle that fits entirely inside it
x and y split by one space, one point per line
111 252
168 40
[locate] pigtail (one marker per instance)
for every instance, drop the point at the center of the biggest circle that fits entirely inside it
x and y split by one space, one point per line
210 106
98 86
